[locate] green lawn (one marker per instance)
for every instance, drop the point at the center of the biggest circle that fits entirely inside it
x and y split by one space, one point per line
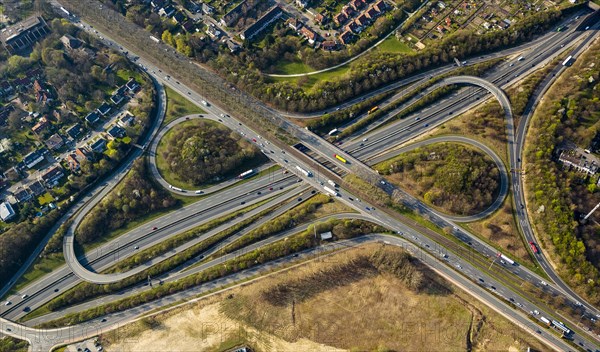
308 82
45 198
178 106
292 67
123 76
394 46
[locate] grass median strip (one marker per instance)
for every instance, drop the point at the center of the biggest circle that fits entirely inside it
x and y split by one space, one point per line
342 229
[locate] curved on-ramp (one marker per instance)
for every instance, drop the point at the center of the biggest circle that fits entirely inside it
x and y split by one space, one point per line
464 140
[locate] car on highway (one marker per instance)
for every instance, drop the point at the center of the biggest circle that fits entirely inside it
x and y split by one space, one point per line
259 192
243 202
24 296
365 139
350 198
271 188
154 228
299 199
7 303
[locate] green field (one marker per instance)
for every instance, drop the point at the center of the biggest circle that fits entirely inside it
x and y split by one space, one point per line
394 46
178 106
308 82
292 67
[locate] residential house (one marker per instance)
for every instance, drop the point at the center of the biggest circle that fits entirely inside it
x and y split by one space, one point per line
348 11
74 131
23 195
99 145
24 34
440 28
233 46
116 131
346 37
84 154
6 211
362 21
207 9
159 3
37 188
132 85
294 24
4 112
448 21
12 174
371 13
41 125
353 27
329 45
55 142
73 163
42 94
126 120
166 11
92 117
356 4
380 6
189 26
6 89
103 109
301 3
51 177
340 18
321 19
32 159
308 34
178 17
116 99
70 42
213 32
265 21
578 161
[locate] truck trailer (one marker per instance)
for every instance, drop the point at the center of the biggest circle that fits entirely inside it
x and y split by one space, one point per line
331 191
507 259
306 173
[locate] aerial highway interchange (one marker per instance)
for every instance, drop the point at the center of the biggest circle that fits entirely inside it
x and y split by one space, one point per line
279 187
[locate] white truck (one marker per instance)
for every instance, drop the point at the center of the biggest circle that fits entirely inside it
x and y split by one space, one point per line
331 191
545 320
154 39
65 11
306 173
507 259
333 184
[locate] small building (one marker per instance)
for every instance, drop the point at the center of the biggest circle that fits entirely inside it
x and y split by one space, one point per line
326 236
346 37
73 163
92 117
321 19
213 31
371 13
55 142
166 11
116 99
103 109
189 26
132 85
301 3
6 211
70 42
126 119
32 159
41 125
340 18
37 188
262 23
116 131
380 6
12 174
83 154
579 161
99 145
329 45
23 195
294 24
24 34
233 46
362 20
308 34
178 17
353 27
356 4
207 9
51 177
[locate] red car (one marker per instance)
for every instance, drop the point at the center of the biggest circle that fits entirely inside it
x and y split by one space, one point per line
533 247
155 228
254 140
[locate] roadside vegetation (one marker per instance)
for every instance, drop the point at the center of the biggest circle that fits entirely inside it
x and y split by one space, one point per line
341 229
454 178
557 197
199 152
345 301
10 344
178 106
137 196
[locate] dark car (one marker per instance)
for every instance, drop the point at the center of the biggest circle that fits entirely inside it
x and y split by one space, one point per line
243 202
154 228
299 199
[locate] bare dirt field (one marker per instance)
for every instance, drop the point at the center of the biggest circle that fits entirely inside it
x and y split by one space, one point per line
370 298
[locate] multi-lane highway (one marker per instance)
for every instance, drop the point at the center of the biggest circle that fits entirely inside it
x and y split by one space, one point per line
462 271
